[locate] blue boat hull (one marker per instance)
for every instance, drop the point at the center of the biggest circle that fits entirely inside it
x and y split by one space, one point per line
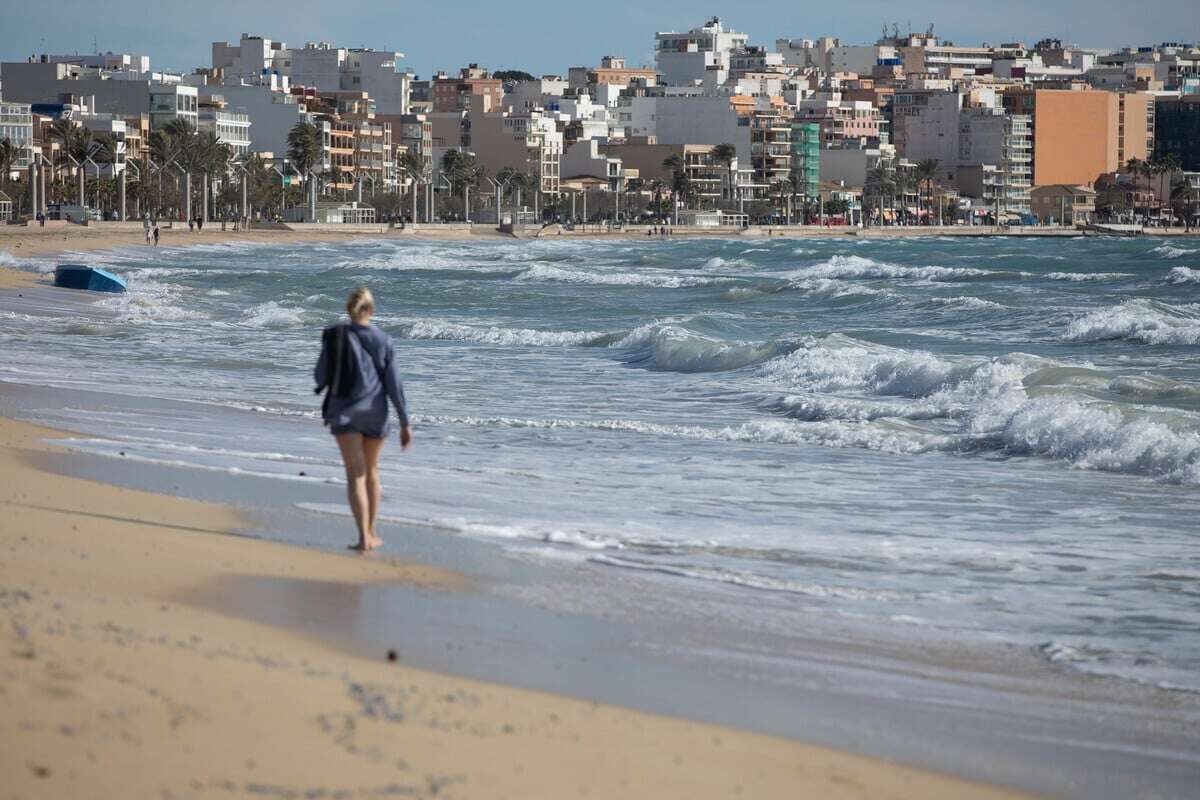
78 276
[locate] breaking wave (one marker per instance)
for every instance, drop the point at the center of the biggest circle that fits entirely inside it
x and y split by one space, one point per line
675 349
1017 405
1180 275
852 266
1169 252
548 272
438 330
1138 320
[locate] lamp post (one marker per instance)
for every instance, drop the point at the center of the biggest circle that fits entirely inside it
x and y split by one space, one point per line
124 173
282 186
79 172
499 186
97 166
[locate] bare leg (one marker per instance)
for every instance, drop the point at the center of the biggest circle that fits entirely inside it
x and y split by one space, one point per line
351 445
371 450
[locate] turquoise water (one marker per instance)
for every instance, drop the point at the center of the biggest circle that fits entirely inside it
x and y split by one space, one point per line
989 439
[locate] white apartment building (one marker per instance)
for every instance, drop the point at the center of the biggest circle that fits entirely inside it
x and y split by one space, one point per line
321 66
127 63
16 125
707 119
859 59
698 57
231 128
119 95
270 115
634 116
114 128
971 130
807 53
539 93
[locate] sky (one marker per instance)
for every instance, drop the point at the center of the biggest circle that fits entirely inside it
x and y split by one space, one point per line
547 38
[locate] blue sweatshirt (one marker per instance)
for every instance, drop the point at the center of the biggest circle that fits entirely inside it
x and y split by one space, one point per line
365 408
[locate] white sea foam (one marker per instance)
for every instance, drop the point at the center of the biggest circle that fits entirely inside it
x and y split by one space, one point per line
1080 277
1138 320
548 272
272 315
440 330
1170 252
854 266
1179 275
965 302
833 288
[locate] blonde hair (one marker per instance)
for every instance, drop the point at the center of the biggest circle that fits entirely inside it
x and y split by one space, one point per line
360 302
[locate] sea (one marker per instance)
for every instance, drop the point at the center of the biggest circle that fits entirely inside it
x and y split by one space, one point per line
983 439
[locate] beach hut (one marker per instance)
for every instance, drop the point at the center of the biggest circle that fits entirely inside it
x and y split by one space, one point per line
6 207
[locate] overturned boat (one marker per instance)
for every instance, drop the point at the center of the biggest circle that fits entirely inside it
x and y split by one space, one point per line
94 279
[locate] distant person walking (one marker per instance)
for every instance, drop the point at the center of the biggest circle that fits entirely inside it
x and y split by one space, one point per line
358 372
156 236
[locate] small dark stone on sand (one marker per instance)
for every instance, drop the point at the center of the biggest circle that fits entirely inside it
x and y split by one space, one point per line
40 771
303 474
391 655
122 452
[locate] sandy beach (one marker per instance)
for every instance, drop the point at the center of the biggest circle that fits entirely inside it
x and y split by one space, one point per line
142 657
111 687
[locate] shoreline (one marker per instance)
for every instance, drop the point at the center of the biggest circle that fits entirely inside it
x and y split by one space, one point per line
20 241
115 687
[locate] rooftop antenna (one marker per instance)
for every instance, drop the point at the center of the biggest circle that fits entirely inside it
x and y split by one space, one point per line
95 46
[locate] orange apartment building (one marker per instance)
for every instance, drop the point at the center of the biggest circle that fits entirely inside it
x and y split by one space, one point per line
456 94
1081 134
613 70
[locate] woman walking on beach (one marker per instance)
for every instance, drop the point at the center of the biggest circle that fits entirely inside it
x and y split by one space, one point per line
357 368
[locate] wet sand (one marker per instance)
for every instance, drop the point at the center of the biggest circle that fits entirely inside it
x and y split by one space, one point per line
112 687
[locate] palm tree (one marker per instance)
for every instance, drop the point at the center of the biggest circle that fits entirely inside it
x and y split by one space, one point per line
681 184
926 173
412 167
8 155
305 150
880 182
726 154
656 186
1183 201
1166 166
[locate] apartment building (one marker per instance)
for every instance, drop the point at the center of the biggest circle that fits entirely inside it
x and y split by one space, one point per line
529 142
806 158
473 88
843 122
968 129
271 114
1079 134
321 66
1064 204
16 125
1177 130
646 155
613 71
697 57
770 145
49 82
231 128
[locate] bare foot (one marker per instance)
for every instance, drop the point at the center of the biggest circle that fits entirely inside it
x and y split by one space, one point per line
375 541
363 547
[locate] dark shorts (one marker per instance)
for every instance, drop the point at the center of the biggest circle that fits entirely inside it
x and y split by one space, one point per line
337 430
